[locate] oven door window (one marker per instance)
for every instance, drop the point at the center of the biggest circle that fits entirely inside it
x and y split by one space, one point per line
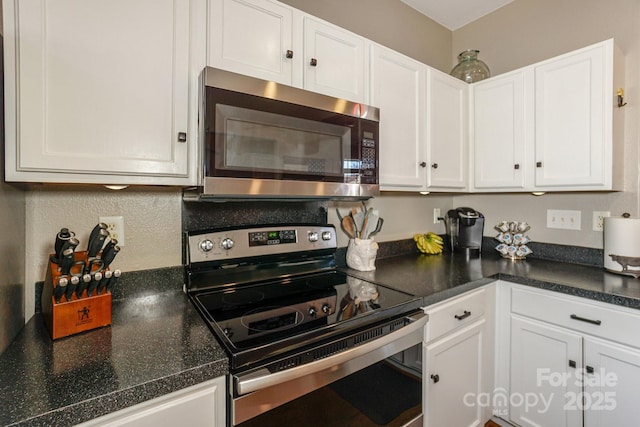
258 142
387 393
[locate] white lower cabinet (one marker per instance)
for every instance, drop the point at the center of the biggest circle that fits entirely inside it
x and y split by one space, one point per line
458 358
540 353
202 405
567 361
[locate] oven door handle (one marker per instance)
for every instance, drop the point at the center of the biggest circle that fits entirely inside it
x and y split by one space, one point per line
262 378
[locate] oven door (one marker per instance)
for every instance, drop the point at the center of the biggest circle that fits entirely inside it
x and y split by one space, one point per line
349 388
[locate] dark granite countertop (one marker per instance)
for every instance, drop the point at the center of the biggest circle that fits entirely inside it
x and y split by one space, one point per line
438 277
157 344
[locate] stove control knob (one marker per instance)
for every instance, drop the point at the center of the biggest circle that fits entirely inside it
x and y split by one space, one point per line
326 308
206 245
326 235
313 236
313 312
226 243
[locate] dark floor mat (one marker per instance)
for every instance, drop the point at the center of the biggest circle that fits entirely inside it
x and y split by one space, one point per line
380 391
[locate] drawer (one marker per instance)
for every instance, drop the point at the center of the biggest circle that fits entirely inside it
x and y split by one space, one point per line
460 311
603 320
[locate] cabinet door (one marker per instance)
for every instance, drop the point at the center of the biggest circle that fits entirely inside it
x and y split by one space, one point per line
397 88
333 61
544 364
101 90
202 405
447 136
573 111
499 132
252 37
454 378
611 391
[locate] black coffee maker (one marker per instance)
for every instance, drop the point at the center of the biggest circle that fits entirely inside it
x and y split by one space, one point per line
464 227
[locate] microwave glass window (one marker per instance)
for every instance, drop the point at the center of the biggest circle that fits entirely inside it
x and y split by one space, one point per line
260 141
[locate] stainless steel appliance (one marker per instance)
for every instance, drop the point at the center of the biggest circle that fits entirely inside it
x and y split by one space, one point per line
263 139
464 228
293 324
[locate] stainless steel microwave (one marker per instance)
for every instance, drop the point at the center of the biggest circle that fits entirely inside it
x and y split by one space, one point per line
264 139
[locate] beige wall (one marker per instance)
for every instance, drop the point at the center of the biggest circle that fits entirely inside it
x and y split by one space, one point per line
388 22
527 31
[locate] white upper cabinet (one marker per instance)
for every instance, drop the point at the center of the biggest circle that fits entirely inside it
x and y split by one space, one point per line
423 124
397 88
98 92
447 132
252 37
551 126
499 135
272 41
334 61
573 119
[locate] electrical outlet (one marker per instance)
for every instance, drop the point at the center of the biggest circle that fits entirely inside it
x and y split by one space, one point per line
115 227
598 219
567 220
436 215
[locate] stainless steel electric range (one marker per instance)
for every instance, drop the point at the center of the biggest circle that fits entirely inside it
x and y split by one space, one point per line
290 321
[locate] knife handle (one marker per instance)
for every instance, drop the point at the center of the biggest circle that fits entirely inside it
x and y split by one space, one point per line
82 286
93 284
61 237
109 254
96 243
66 261
60 289
105 279
96 230
71 287
111 283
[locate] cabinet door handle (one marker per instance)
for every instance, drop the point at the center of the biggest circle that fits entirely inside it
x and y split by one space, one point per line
313 62
572 363
289 54
516 166
463 315
182 137
589 370
423 164
538 164
435 378
435 166
583 319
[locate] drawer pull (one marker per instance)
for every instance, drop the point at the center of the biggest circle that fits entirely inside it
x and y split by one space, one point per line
572 363
590 370
435 378
582 319
463 315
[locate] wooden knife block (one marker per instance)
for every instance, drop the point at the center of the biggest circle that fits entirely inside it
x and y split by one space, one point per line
78 315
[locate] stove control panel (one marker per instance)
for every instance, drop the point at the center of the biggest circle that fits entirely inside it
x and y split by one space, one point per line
259 241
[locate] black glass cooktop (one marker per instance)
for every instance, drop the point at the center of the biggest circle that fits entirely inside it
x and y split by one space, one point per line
259 320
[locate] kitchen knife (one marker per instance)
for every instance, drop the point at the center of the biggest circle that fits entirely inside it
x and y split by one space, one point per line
71 287
82 286
108 254
63 236
96 230
95 244
93 284
106 276
111 283
66 262
60 289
